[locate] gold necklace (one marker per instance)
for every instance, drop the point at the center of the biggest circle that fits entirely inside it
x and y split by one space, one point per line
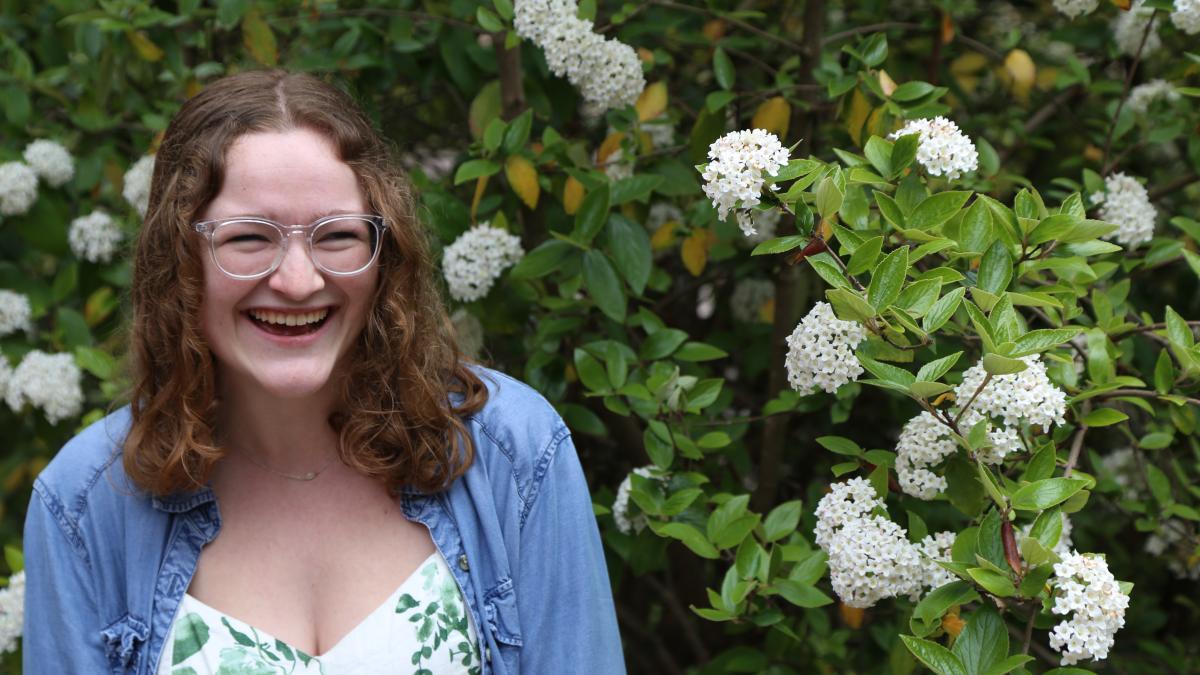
303 477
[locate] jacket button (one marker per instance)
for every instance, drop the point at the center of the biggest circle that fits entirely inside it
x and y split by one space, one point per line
462 563
487 654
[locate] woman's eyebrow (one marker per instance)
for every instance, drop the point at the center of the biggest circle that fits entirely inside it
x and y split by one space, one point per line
313 219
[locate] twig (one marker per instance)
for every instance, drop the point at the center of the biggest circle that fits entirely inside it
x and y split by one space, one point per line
736 22
987 378
1037 119
682 616
1148 327
744 420
1178 183
512 88
1077 441
1029 631
1142 393
869 28
1105 168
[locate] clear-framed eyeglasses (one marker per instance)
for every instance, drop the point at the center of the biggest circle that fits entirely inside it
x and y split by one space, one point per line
246 247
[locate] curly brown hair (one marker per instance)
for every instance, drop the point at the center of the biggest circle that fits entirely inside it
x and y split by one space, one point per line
407 385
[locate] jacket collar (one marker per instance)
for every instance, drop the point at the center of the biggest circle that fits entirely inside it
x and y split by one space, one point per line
182 502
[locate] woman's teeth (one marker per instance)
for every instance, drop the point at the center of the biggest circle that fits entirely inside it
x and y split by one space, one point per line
289 319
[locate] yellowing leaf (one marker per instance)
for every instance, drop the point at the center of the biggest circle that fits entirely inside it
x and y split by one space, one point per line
664 236
258 39
767 311
645 55
573 193
851 616
14 478
773 115
886 83
714 30
480 188
953 624
856 114
36 465
825 230
1020 72
1092 153
608 147
652 102
522 177
875 123
695 251
1123 5
968 64
1047 78
144 46
192 87
947 28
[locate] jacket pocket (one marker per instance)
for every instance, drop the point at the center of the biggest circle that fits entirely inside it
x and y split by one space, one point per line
503 623
123 640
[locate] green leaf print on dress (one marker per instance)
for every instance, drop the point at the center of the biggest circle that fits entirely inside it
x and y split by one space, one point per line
250 656
190 636
444 621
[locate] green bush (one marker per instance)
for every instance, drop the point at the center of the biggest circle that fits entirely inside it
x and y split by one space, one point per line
1006 346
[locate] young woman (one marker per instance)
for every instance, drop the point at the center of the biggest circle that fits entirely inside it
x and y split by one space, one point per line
309 479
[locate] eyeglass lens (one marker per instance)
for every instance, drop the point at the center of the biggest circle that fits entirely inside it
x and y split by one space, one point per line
248 248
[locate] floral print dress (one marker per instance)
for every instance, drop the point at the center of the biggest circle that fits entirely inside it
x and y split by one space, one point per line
423 628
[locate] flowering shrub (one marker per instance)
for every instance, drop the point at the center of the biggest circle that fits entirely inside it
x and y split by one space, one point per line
928 399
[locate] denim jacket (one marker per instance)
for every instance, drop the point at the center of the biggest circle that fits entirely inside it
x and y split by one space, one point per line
107 566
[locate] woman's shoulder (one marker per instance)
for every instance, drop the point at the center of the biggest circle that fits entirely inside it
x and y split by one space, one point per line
88 462
516 416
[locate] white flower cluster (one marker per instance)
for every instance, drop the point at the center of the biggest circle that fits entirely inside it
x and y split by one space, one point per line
18 188
607 72
762 224
435 164
1172 538
137 184
620 508
821 351
15 312
870 557
94 237
51 161
469 331
735 177
1121 466
618 165
943 150
1076 8
748 298
924 442
1144 95
1128 28
51 382
12 612
477 258
1126 204
1084 585
661 213
1028 396
1186 16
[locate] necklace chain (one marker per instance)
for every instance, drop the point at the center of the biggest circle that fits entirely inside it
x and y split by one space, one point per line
303 477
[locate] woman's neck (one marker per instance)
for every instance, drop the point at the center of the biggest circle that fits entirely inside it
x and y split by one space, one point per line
287 434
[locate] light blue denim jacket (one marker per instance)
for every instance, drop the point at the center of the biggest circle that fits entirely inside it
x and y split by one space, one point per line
106 566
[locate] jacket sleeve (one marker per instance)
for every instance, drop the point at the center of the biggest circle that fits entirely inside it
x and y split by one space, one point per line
61 634
570 625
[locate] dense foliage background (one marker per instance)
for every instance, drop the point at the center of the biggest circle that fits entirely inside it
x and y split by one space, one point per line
646 320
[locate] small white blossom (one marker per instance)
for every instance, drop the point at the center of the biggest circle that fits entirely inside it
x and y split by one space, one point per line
759 225
846 501
1025 397
6 372
477 258
51 161
51 382
1144 95
470 332
137 184
660 130
618 166
1186 16
94 237
1083 585
1173 542
435 164
935 547
943 150
740 163
1076 8
627 523
871 559
1129 27
607 73
12 612
748 298
18 188
706 301
923 443
821 351
1126 203
15 312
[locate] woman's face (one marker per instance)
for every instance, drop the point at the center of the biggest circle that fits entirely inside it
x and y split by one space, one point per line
292 177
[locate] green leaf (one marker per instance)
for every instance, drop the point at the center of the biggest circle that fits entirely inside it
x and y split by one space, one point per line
1043 494
993 582
890 210
592 214
887 372
475 168
879 153
723 69
874 49
1008 664
1053 227
1037 341
983 642
689 535
887 280
995 269
1041 465
935 657
904 150
544 259
1103 417
919 297
488 20
1002 365
910 91
782 520
191 632
849 305
865 256
591 372
942 310
699 351
601 283
1160 485
629 246
840 445
518 129
975 232
934 370
935 210
801 595
929 611
1178 330
780 244
829 197
662 343
96 362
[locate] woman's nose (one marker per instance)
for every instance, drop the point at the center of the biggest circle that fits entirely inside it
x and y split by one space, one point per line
297 276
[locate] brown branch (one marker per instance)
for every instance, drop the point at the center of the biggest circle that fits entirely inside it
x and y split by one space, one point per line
682 616
870 28
631 622
1037 119
1146 328
1077 441
1105 168
512 87
1142 393
735 22
1178 183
